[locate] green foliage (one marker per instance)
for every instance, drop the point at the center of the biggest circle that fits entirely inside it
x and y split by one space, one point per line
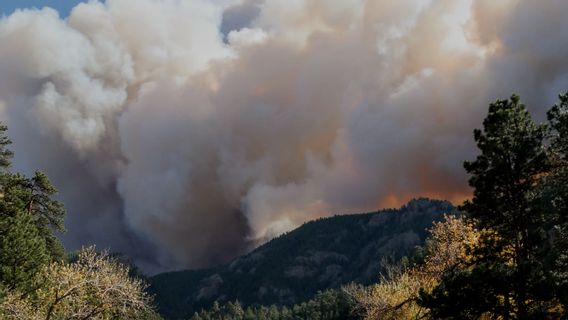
326 305
48 213
33 196
510 275
22 252
505 173
321 254
557 187
5 153
558 119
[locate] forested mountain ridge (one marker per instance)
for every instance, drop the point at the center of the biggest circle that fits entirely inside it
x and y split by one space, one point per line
321 254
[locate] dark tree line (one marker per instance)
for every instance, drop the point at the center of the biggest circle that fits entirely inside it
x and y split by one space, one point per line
326 305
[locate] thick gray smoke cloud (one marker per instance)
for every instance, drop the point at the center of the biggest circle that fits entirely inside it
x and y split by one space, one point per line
185 132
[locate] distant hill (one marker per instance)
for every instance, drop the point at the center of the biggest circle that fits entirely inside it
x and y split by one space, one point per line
320 254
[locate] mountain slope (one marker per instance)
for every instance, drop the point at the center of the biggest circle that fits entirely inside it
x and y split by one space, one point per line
320 254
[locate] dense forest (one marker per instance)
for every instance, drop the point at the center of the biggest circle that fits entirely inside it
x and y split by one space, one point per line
504 256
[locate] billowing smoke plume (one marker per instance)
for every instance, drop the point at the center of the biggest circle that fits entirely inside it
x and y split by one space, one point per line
185 132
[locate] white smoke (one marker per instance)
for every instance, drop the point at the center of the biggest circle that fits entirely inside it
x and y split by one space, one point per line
186 132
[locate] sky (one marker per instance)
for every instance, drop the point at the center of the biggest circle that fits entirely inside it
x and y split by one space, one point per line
62 6
185 133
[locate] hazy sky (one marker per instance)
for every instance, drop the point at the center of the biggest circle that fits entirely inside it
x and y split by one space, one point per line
185 133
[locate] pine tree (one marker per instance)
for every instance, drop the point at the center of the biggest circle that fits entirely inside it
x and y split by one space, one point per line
510 272
196 316
48 213
557 186
22 252
216 310
235 310
33 195
5 154
249 314
286 314
27 216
